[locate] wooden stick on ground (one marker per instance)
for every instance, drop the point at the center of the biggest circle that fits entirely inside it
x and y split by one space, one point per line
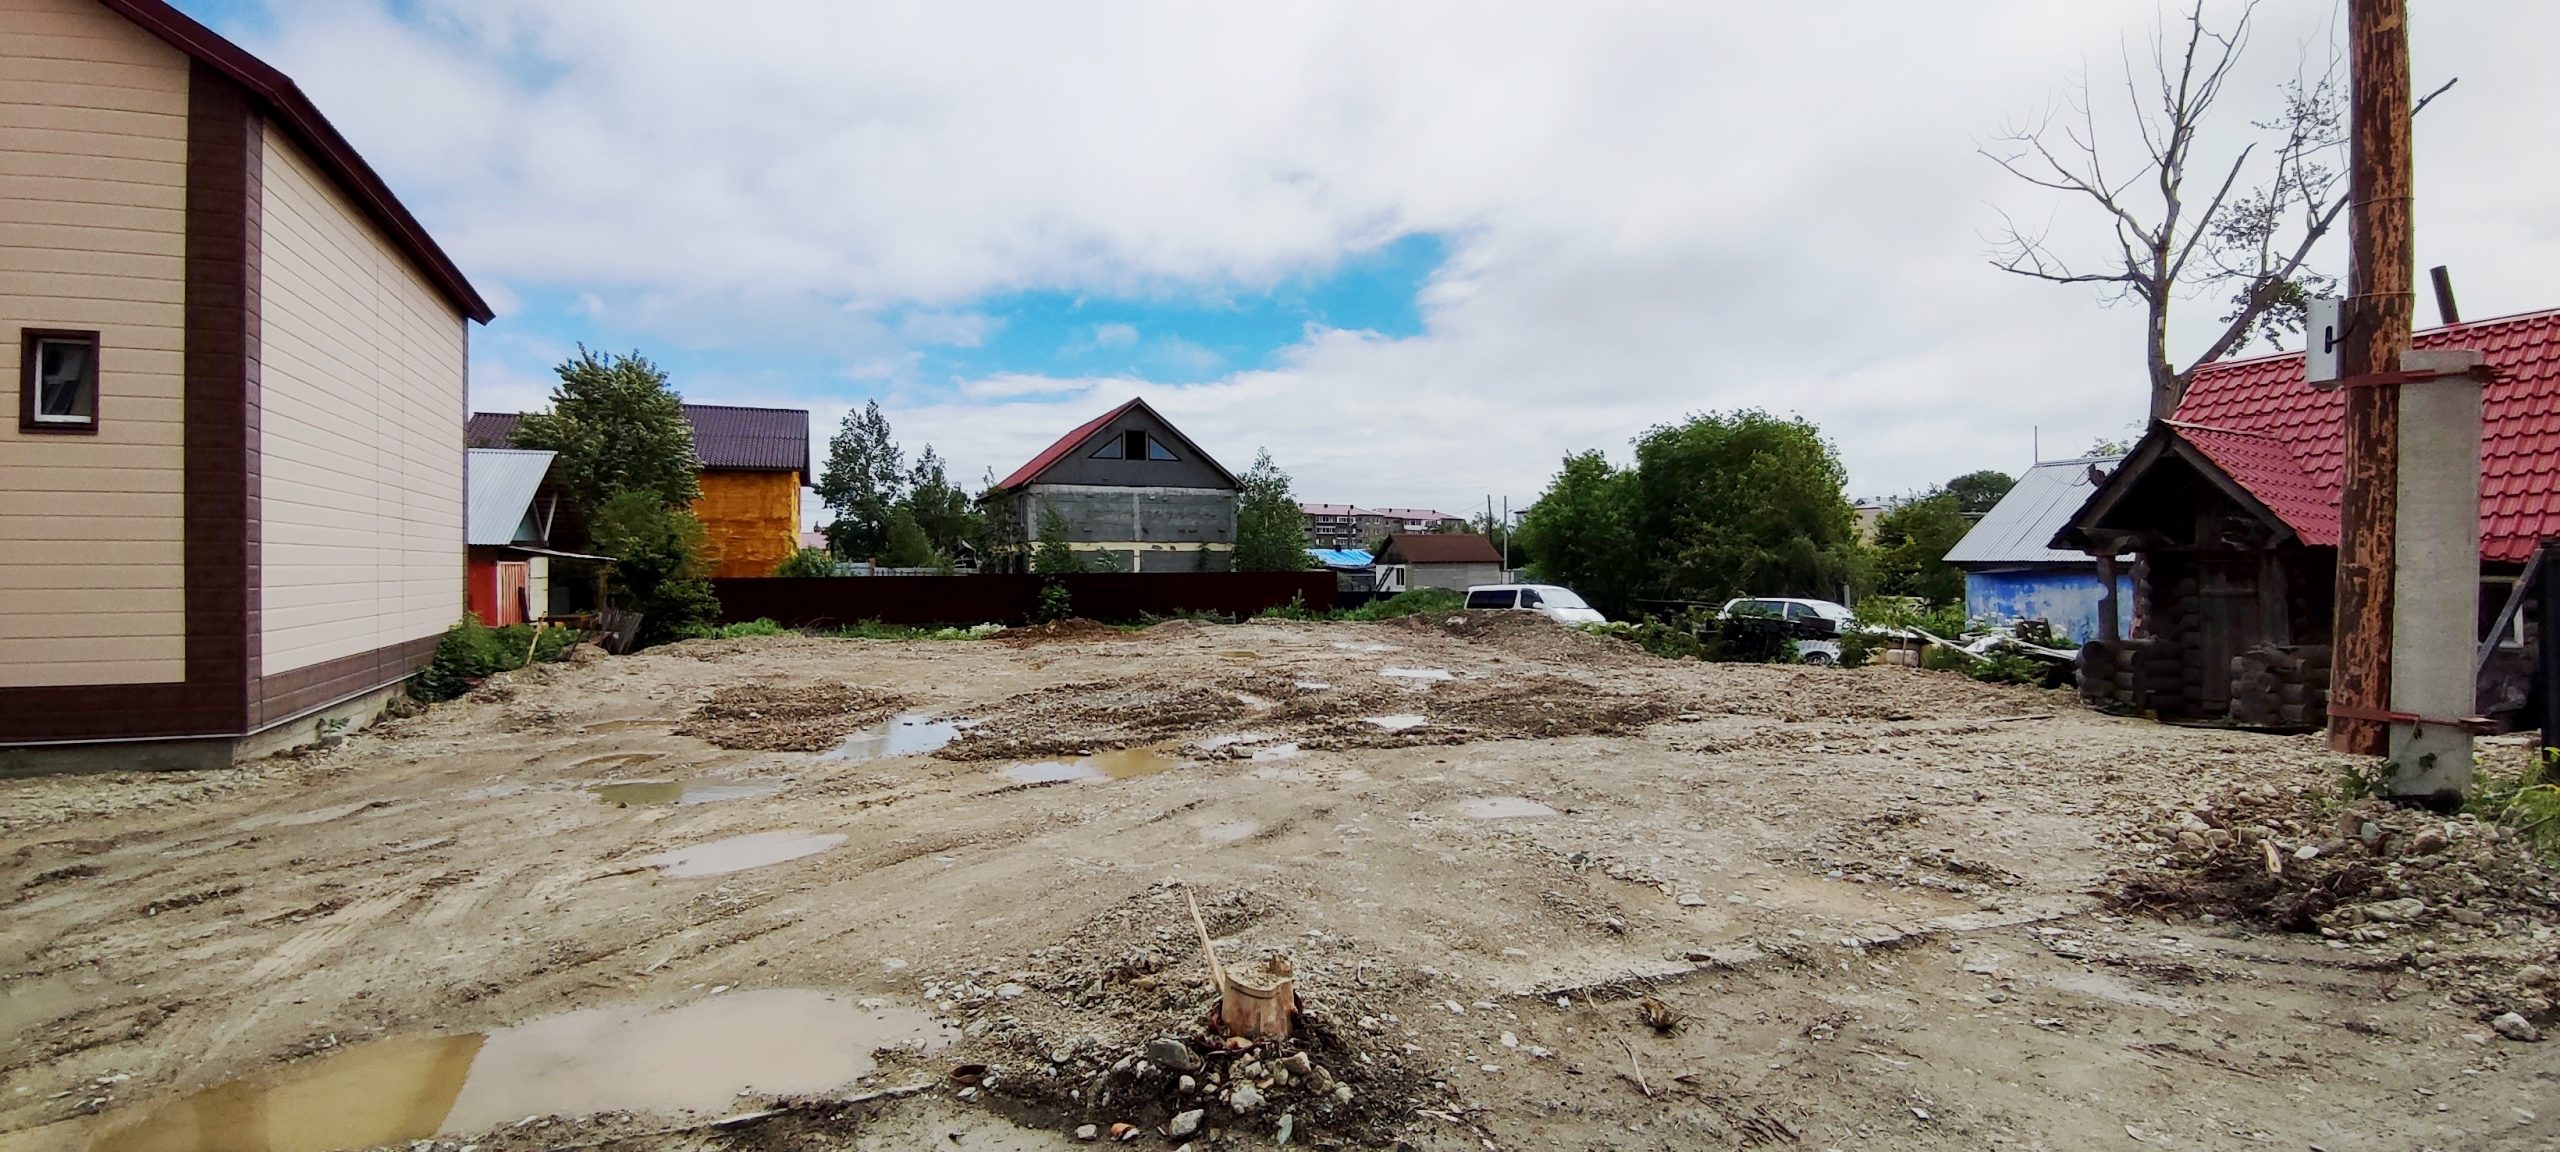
1638 1065
1217 977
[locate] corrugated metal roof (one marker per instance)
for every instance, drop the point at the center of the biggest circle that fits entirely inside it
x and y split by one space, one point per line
1341 557
2020 528
502 482
733 439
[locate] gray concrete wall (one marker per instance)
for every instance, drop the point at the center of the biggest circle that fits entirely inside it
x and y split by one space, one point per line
1142 516
1079 466
1454 577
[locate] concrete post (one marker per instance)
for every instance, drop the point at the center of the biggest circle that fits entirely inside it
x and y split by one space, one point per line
2435 619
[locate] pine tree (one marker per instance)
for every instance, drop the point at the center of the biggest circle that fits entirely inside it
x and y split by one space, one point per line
1053 555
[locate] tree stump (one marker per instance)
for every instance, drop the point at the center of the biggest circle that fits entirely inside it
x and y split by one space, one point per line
1258 1005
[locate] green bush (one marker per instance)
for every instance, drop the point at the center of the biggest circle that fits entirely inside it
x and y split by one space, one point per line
1749 640
807 562
1858 648
1056 603
470 651
1410 602
2527 802
658 565
1671 642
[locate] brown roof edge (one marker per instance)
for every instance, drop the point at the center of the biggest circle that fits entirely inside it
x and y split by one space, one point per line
314 130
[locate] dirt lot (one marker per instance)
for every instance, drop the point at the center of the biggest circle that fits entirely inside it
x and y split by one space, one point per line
1870 909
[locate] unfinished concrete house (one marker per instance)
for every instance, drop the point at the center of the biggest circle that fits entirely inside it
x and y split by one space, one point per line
2231 511
1132 493
231 503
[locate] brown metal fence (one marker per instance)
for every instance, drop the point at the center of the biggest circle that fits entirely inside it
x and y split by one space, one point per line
824 601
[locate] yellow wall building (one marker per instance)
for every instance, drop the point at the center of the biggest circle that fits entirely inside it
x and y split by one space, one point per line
753 463
751 519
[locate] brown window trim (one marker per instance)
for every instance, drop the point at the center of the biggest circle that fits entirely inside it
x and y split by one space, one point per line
28 341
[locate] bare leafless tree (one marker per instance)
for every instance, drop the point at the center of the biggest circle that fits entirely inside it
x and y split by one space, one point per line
2185 224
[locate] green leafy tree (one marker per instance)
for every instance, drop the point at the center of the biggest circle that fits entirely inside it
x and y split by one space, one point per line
1912 541
658 565
864 479
807 562
908 547
1052 555
618 427
947 516
1271 534
1976 492
1744 503
1000 547
1581 533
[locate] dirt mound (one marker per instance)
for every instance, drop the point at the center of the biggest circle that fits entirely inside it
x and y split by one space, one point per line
1120 1036
1055 631
787 718
2273 857
1072 719
1527 635
2454 891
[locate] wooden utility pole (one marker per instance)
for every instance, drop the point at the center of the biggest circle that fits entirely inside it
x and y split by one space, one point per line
2383 272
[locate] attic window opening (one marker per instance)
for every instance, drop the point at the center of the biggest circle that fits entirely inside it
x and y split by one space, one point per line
58 381
1134 444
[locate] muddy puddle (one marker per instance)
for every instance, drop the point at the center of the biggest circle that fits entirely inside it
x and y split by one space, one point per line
1396 723
680 793
1417 673
697 1059
1124 764
1504 808
909 735
739 853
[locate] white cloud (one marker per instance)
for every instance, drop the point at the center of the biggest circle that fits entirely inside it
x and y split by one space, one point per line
1114 335
1650 209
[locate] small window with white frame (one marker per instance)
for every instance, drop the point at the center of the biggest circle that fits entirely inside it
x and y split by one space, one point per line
57 381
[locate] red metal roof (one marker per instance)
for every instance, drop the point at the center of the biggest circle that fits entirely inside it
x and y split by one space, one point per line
1058 451
2282 439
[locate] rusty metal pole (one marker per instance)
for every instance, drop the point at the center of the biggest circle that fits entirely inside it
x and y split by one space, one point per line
2378 316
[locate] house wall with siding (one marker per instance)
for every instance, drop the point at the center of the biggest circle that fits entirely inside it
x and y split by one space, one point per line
93 148
360 425
750 520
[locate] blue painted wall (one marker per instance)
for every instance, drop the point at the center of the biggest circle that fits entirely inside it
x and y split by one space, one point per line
2067 598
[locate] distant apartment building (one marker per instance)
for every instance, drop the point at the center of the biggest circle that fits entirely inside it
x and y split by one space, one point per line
1351 526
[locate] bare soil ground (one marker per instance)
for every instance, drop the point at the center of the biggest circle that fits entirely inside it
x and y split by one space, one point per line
1870 909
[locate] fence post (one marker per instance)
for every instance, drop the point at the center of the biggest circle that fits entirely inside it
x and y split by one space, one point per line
2547 644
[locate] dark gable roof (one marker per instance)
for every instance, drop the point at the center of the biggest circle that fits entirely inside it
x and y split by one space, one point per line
725 438
290 107
491 429
730 439
1439 548
1050 455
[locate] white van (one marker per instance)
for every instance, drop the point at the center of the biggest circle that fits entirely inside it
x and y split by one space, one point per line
1548 600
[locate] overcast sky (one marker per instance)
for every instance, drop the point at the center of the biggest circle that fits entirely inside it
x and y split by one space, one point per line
1419 251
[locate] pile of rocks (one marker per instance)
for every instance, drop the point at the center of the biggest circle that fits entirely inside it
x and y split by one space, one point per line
1203 1086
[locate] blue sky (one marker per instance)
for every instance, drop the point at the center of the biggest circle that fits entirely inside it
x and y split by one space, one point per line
1420 252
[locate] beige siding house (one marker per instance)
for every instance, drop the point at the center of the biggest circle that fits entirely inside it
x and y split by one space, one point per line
231 494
